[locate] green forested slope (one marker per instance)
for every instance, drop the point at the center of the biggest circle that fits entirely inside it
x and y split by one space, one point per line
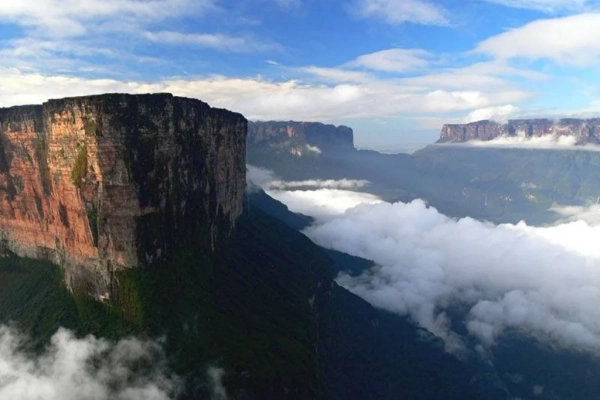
265 309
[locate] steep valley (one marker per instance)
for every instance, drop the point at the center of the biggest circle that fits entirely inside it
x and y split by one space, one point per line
225 279
517 365
265 310
208 273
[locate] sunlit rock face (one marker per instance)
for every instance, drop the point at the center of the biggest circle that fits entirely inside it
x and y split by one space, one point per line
583 131
102 183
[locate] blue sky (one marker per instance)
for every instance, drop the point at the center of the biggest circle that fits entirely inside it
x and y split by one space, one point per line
395 70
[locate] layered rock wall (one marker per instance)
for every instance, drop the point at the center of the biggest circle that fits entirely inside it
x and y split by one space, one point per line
583 130
299 137
101 183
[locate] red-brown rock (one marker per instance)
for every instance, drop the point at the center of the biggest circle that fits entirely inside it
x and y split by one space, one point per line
101 183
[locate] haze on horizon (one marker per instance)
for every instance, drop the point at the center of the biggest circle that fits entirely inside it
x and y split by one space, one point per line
394 70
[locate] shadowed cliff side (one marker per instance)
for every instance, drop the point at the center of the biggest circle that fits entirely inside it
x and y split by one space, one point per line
245 309
102 183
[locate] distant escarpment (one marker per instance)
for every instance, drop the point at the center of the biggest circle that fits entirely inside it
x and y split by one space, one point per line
583 130
102 183
300 138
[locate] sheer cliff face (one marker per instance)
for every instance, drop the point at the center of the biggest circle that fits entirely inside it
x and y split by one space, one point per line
300 138
101 183
584 130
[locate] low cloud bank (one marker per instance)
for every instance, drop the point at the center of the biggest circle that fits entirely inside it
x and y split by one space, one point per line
258 178
546 142
266 179
89 368
329 197
319 183
322 202
540 281
543 282
590 214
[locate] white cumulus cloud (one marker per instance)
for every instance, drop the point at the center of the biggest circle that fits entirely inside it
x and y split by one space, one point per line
570 40
540 281
498 114
89 368
260 99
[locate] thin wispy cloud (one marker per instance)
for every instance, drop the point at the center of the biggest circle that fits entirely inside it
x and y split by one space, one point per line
60 18
401 11
73 36
393 60
289 4
548 6
320 183
337 74
215 41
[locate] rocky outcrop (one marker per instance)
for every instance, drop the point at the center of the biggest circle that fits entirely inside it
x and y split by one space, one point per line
583 130
102 183
300 138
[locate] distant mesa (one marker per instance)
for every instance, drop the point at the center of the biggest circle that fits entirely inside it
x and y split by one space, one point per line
300 138
585 131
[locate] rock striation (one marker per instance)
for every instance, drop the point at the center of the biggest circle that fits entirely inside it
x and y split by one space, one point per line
102 183
584 131
300 138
